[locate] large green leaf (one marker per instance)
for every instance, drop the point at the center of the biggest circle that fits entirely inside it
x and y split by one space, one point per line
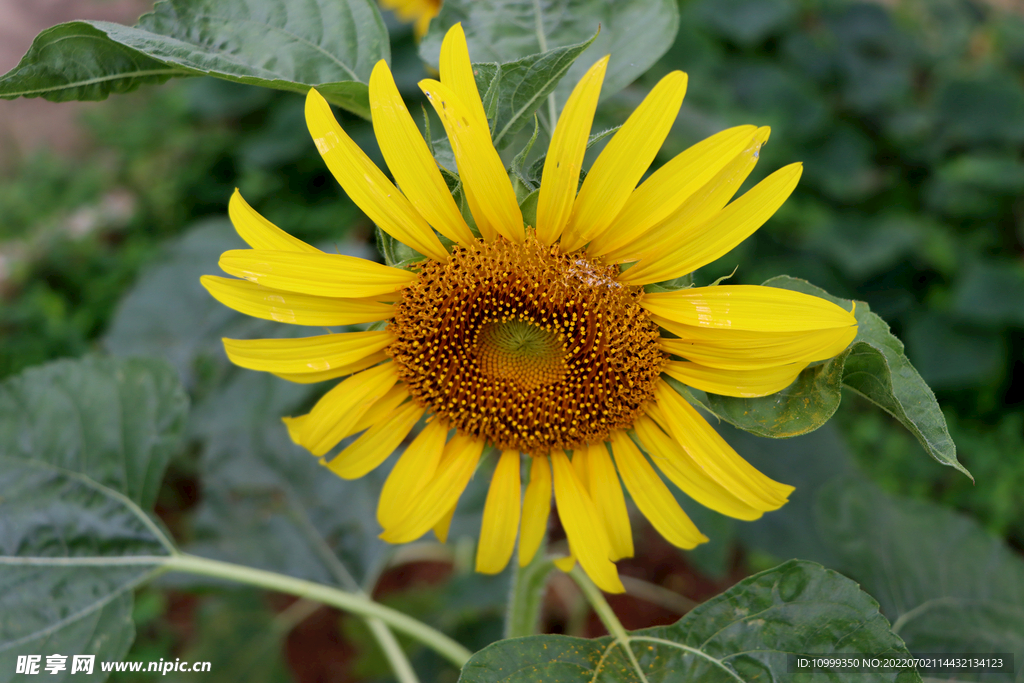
82 444
874 366
116 422
634 33
271 43
744 634
946 584
513 91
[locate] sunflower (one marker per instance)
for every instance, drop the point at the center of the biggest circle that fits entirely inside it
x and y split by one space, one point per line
537 342
418 11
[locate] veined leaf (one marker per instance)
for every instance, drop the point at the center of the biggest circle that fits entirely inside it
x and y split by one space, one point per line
271 43
512 91
634 33
744 634
116 422
82 444
874 366
946 584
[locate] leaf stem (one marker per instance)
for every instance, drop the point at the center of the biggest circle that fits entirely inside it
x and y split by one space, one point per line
607 616
542 42
350 602
392 650
382 634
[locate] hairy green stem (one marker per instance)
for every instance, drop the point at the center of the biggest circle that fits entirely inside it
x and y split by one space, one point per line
607 616
527 596
349 602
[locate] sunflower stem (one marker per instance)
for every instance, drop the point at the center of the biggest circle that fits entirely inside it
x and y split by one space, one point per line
328 595
607 616
542 42
527 596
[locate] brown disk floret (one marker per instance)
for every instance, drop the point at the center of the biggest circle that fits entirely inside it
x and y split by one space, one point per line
526 347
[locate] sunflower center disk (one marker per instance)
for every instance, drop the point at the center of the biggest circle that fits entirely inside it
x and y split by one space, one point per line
526 347
521 353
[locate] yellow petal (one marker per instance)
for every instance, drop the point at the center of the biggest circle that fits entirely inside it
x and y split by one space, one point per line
376 444
444 525
258 232
377 412
409 158
678 228
413 470
384 406
623 162
750 350
566 563
420 30
364 183
333 373
334 275
717 236
305 354
340 408
739 383
289 307
457 73
461 456
748 307
713 454
606 492
536 509
565 155
587 536
680 468
652 496
501 516
579 464
670 186
488 189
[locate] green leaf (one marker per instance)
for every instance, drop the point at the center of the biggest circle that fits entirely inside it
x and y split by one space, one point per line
874 366
537 167
744 634
116 422
948 586
81 444
514 90
77 61
634 33
273 44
